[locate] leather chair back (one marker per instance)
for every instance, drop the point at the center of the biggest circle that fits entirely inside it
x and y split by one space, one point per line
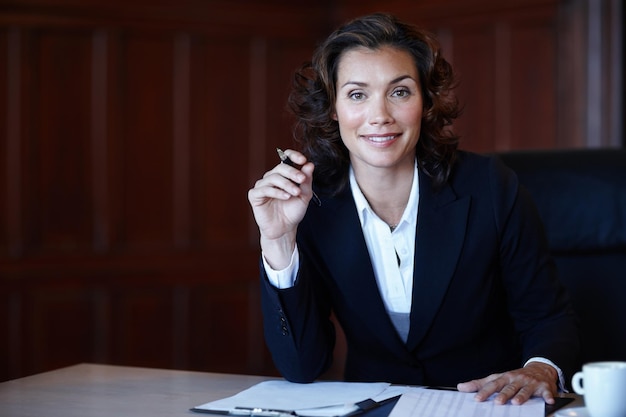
581 197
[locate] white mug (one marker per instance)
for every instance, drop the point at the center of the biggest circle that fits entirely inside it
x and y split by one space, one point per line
604 388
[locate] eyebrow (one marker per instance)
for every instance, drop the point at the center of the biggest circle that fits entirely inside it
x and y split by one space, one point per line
394 81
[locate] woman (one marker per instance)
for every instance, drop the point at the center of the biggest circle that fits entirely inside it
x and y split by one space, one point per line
432 259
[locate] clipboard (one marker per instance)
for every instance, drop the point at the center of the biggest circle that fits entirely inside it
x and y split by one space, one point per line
317 399
364 408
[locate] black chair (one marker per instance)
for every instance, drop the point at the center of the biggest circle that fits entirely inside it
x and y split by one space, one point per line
581 197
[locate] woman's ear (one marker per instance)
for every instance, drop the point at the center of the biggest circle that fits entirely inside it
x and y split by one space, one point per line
334 116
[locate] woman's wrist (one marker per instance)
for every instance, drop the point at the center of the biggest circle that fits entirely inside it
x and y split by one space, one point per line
278 252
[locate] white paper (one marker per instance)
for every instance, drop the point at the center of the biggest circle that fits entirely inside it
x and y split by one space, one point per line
419 402
314 399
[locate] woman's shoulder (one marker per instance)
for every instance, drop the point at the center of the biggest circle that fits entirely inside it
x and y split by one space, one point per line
466 158
480 169
471 161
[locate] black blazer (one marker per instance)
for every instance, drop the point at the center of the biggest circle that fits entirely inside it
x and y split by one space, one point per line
485 295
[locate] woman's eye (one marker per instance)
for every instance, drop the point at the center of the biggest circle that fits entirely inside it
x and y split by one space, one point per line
356 95
401 92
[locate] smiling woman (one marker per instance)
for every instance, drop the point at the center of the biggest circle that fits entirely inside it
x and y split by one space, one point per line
379 111
315 94
413 237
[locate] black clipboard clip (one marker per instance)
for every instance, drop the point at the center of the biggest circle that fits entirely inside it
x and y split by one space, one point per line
247 412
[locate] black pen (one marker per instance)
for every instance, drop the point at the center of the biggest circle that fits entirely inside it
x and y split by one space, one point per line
285 160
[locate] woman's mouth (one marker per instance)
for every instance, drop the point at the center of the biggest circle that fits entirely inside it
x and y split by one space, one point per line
380 139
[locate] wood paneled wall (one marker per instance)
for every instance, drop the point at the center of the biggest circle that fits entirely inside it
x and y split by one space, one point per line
132 134
133 130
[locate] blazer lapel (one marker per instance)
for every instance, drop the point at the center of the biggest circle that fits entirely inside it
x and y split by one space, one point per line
345 250
442 221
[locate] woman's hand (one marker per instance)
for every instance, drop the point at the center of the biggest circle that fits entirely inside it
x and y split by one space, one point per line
536 379
279 201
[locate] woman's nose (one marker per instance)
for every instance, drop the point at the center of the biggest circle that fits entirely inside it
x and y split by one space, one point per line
379 112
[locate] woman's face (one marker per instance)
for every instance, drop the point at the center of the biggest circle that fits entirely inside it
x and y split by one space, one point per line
378 106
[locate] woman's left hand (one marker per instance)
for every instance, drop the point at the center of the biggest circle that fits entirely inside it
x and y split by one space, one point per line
536 379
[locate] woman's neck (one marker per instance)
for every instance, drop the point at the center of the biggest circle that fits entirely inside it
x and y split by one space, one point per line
387 191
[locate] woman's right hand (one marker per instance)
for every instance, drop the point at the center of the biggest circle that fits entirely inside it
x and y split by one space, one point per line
279 201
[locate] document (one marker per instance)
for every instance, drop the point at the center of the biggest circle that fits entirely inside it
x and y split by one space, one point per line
419 402
318 399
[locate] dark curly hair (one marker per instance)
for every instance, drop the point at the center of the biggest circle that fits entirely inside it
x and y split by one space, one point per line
313 94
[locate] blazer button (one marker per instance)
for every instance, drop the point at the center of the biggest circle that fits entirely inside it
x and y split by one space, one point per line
283 326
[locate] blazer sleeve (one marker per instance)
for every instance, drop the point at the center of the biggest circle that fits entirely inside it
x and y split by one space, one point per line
297 326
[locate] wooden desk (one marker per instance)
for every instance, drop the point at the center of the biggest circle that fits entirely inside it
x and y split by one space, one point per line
89 390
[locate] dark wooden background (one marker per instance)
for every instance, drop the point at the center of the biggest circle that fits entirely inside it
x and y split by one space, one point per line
132 130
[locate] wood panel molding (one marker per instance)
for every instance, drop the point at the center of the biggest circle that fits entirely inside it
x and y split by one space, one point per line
273 18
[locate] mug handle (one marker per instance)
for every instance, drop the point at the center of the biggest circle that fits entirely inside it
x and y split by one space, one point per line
577 380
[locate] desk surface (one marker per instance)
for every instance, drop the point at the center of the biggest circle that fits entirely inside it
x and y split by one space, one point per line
89 390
